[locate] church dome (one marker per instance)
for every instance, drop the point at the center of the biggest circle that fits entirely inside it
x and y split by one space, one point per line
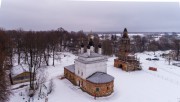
99 45
125 33
91 43
82 45
125 30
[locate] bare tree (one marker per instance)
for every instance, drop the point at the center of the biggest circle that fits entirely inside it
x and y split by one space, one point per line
153 46
51 86
41 79
177 48
107 47
4 85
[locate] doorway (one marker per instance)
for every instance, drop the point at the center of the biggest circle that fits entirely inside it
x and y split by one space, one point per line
120 66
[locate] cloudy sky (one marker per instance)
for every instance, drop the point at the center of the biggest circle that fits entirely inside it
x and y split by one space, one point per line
90 15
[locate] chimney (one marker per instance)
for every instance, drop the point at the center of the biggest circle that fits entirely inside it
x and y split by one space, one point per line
88 50
99 49
82 48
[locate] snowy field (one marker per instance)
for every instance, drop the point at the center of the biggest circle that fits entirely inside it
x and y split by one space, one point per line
139 86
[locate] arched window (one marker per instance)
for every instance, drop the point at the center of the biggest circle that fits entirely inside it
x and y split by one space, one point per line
97 89
81 73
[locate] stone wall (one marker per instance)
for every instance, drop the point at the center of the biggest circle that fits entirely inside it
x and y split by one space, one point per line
93 89
120 64
99 90
126 66
70 76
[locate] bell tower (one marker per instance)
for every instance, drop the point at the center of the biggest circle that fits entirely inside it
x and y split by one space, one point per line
126 60
124 49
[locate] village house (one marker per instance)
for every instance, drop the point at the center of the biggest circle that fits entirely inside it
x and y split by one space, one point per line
126 60
90 72
19 74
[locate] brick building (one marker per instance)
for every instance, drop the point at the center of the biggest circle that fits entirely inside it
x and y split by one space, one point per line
90 72
126 61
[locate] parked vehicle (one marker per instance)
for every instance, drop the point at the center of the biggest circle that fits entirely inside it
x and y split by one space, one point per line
156 59
176 64
153 68
148 59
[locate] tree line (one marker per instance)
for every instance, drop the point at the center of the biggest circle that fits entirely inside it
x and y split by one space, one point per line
35 48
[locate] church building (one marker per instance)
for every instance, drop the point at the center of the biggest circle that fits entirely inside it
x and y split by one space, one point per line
90 72
126 61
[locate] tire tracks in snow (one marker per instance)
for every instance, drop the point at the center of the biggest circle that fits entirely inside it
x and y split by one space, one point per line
163 77
170 72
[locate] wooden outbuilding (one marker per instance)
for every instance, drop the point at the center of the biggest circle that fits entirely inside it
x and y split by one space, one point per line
19 74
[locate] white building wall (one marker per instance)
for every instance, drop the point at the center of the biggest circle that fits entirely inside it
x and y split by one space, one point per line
92 48
95 67
92 59
99 51
79 69
82 50
89 69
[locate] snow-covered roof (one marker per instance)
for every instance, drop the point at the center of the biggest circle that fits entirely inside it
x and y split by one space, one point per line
100 77
92 58
92 54
71 68
130 54
18 69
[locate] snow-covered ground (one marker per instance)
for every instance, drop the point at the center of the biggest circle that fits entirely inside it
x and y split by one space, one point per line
139 86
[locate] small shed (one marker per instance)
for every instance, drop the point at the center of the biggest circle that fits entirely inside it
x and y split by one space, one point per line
19 74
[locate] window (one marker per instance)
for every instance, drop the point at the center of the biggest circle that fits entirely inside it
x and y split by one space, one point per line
79 83
78 71
81 73
107 88
97 89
